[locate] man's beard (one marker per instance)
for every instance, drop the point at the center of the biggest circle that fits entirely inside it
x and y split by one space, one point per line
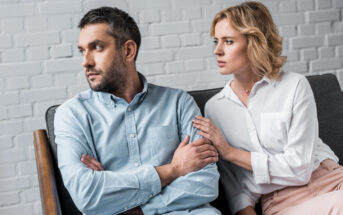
113 79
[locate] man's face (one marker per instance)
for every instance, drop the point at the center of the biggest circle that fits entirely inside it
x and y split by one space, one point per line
103 62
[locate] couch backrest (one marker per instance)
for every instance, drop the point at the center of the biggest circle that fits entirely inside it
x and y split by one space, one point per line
329 102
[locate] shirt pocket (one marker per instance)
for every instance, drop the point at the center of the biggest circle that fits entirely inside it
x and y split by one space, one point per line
164 140
274 130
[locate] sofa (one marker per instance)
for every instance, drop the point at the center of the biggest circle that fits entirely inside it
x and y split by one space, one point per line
56 199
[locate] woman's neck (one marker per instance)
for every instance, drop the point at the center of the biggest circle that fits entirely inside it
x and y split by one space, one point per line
246 81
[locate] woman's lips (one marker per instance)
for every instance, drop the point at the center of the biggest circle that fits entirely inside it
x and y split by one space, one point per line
221 63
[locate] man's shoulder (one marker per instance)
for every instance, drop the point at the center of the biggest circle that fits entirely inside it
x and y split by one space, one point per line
162 90
77 101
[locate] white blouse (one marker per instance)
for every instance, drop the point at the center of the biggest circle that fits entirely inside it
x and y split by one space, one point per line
279 127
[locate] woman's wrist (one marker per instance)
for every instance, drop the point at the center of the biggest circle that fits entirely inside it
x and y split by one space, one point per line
228 153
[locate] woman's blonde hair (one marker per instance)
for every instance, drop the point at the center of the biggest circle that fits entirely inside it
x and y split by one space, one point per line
253 20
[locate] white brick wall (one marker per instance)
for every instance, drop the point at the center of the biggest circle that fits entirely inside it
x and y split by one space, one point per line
40 64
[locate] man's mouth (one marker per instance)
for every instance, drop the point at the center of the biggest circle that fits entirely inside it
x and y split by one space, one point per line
92 75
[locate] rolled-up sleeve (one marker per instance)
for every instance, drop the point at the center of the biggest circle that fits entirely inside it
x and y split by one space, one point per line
237 195
294 165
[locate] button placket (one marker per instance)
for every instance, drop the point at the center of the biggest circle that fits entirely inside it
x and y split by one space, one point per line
132 137
253 131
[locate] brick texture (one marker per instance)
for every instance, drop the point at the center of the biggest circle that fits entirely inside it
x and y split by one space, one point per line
40 64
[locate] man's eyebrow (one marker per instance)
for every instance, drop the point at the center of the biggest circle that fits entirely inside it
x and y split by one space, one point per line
94 42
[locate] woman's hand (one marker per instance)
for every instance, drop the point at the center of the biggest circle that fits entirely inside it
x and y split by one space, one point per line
211 132
247 211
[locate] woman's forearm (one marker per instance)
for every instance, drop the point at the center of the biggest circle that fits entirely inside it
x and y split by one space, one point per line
237 156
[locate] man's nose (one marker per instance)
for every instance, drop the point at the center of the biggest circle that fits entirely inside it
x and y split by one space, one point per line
88 60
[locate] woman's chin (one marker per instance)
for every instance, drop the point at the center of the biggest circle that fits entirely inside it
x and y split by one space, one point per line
224 71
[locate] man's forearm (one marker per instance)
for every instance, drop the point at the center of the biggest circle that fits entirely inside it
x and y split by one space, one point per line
190 191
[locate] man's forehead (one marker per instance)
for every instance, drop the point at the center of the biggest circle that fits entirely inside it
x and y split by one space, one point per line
91 32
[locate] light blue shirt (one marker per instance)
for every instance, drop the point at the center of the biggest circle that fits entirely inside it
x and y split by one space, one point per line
129 140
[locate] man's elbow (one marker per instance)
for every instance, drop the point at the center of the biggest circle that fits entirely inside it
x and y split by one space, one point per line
214 194
211 186
84 195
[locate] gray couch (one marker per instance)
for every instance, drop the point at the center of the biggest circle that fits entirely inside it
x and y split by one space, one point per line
56 199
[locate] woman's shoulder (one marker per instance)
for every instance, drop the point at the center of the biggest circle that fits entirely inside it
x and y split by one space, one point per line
291 76
290 80
294 82
215 100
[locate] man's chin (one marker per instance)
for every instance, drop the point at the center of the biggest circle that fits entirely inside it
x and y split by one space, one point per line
94 86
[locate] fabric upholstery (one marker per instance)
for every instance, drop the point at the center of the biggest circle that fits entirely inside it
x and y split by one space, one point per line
329 101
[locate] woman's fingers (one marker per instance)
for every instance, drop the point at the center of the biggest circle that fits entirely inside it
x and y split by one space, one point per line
202 118
202 127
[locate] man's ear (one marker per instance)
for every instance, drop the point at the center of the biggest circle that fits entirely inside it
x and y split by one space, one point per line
130 50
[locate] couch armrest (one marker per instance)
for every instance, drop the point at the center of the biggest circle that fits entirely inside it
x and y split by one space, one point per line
46 175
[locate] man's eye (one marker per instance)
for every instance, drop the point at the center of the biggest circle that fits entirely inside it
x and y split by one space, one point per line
82 51
215 42
98 47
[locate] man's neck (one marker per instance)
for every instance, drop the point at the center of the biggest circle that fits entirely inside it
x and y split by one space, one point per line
132 87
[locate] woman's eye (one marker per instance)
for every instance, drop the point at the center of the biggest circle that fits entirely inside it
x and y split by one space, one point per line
228 42
215 42
82 52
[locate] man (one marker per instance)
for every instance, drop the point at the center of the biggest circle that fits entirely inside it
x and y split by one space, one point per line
119 144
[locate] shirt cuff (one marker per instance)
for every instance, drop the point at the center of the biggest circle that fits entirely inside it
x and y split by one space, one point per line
149 182
240 202
259 163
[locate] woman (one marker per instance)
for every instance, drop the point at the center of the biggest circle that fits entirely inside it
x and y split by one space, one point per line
264 123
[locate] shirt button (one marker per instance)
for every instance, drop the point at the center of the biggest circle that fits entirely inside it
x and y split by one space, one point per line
150 196
136 164
132 135
125 208
129 109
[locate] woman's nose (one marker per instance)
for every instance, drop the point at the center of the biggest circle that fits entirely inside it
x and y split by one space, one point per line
218 49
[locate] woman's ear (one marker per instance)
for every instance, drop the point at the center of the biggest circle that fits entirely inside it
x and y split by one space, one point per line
130 50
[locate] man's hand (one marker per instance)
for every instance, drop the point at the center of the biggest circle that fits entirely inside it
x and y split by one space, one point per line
192 157
247 211
187 158
91 163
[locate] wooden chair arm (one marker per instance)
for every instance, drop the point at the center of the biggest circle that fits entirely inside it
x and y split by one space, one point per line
46 175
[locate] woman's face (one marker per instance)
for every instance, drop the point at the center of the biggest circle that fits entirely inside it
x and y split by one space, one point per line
230 49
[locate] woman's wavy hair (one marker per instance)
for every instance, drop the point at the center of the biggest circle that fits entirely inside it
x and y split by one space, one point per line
253 20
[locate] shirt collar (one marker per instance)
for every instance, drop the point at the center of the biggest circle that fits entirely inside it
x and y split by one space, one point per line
228 92
109 98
